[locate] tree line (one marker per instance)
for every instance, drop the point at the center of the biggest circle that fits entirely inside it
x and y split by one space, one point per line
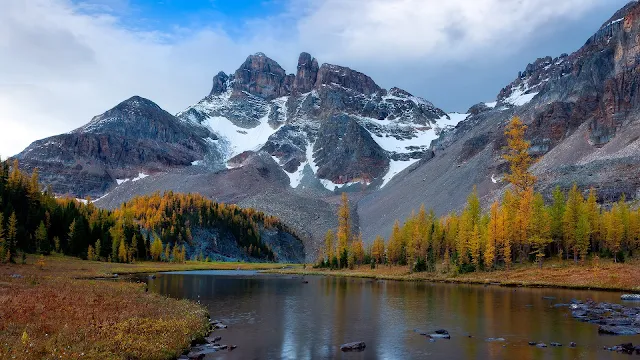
520 227
154 227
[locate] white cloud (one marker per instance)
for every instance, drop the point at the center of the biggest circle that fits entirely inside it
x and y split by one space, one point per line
419 29
63 61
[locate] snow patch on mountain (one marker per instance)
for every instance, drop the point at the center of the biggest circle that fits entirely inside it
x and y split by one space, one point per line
139 177
395 167
238 139
394 138
520 97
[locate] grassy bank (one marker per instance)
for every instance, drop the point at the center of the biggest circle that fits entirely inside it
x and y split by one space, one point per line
561 274
56 311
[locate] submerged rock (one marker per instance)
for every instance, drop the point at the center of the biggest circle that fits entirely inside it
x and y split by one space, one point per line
213 339
440 334
495 340
353 346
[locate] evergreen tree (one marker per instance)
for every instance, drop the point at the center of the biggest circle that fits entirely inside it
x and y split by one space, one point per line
329 245
91 255
494 233
540 234
42 240
12 233
518 157
557 216
474 246
593 216
3 242
377 250
583 231
570 221
98 248
156 248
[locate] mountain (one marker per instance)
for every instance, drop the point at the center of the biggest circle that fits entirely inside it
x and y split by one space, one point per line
132 140
331 120
282 143
582 110
288 144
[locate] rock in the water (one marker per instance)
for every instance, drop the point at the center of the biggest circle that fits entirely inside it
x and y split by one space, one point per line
626 348
618 330
541 345
533 343
572 344
632 297
548 298
232 347
213 339
555 344
440 334
495 340
353 346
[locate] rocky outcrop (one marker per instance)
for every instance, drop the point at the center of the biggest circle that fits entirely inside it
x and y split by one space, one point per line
307 74
332 75
263 77
345 152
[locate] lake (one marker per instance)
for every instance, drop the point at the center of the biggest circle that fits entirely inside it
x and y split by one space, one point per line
281 317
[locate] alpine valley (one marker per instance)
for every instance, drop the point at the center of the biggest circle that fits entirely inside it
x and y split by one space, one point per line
289 144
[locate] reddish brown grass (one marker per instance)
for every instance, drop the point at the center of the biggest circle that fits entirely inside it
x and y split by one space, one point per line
51 313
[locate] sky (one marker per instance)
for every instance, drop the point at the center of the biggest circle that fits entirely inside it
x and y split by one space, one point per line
64 61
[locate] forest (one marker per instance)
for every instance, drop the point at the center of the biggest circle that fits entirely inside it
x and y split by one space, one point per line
155 227
520 227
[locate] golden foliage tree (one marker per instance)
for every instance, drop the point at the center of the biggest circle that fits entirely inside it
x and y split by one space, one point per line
518 157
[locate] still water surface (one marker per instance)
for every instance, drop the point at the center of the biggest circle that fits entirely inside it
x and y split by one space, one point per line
281 317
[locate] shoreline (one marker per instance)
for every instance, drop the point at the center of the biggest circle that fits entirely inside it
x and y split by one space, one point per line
497 278
67 309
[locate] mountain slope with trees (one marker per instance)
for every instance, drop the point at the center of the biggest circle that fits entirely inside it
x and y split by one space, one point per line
171 227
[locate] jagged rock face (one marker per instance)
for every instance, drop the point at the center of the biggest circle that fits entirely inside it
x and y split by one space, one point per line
307 74
220 82
347 78
263 77
135 136
283 114
345 152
